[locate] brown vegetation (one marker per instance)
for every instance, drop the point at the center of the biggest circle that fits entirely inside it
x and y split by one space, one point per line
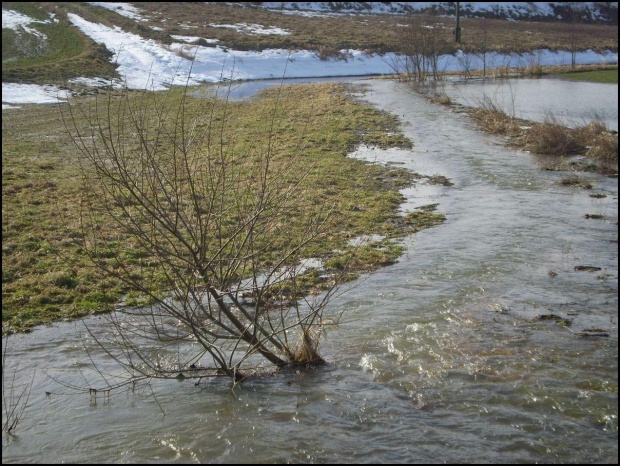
373 33
550 137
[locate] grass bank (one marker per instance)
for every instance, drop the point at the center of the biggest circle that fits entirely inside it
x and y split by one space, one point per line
609 76
46 275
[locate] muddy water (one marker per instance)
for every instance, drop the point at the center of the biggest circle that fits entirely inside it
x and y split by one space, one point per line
443 357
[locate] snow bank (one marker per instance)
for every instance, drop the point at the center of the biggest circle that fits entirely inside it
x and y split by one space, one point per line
144 63
31 94
254 29
194 39
16 21
147 64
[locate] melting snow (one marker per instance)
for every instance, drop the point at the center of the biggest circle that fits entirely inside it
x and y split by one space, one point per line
193 39
254 29
12 19
31 94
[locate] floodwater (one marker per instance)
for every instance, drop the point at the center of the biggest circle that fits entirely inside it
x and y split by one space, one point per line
568 102
443 357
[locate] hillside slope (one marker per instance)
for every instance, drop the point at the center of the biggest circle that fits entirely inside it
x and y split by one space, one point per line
582 12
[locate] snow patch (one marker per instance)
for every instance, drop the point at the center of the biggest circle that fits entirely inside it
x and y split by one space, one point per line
194 39
143 63
147 64
254 29
13 93
16 21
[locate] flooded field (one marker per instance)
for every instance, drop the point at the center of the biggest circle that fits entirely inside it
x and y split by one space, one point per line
494 339
571 103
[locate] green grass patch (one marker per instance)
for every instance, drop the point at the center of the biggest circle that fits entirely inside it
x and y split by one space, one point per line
599 76
59 53
47 274
34 10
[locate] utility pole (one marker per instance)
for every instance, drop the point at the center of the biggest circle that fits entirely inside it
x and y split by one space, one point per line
457 31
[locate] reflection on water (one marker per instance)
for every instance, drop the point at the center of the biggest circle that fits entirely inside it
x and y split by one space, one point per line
572 103
447 356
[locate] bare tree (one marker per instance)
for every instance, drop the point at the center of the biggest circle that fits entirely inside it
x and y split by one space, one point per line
422 44
206 228
483 48
572 44
465 60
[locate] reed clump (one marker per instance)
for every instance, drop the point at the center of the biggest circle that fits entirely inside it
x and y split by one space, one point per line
495 121
553 139
601 144
441 99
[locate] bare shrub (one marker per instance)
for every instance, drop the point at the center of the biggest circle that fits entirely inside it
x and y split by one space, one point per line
482 49
214 218
604 146
552 138
15 395
533 64
441 98
465 60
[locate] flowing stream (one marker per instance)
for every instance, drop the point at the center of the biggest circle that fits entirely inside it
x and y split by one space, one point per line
482 344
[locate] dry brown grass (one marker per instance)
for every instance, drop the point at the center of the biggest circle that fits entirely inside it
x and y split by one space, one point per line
593 140
373 33
604 147
495 121
306 351
523 36
554 139
441 99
